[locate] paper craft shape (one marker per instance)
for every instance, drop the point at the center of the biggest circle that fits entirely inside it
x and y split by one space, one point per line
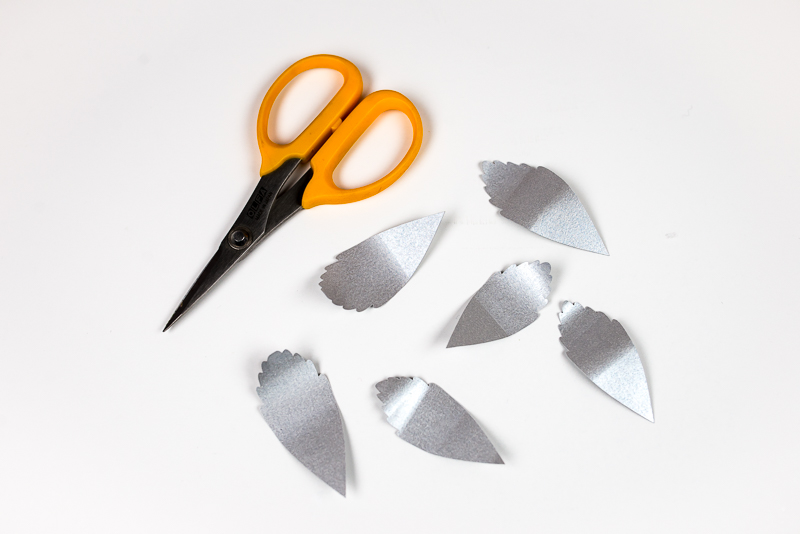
508 302
299 407
604 352
372 272
539 200
430 419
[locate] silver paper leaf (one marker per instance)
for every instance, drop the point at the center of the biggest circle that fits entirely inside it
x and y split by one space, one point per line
604 352
372 272
299 407
427 417
508 302
539 200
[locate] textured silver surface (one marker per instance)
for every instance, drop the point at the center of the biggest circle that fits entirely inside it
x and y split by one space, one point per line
602 350
299 407
372 272
508 302
427 417
539 200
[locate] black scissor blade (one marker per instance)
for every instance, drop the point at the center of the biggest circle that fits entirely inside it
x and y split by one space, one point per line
288 204
225 258
246 233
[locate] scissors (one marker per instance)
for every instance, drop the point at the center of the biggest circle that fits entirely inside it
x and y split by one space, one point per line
324 143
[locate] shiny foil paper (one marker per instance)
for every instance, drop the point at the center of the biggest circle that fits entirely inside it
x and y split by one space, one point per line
372 272
427 417
299 407
602 350
508 302
539 200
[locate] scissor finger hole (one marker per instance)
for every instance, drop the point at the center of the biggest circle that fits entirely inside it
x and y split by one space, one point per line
300 102
377 151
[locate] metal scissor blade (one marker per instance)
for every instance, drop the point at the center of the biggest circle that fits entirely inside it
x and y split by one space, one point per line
288 204
225 258
248 231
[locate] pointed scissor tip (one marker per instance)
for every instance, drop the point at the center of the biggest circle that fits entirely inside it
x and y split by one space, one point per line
175 317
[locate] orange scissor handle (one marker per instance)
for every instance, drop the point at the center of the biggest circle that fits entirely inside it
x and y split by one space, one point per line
310 139
321 189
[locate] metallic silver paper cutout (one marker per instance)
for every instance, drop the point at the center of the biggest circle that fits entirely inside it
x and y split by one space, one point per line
539 200
299 407
427 417
602 350
508 302
372 272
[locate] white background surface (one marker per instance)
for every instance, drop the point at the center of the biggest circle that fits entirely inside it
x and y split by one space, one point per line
127 148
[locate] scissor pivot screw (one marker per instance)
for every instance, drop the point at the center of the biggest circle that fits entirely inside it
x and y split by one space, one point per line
239 239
